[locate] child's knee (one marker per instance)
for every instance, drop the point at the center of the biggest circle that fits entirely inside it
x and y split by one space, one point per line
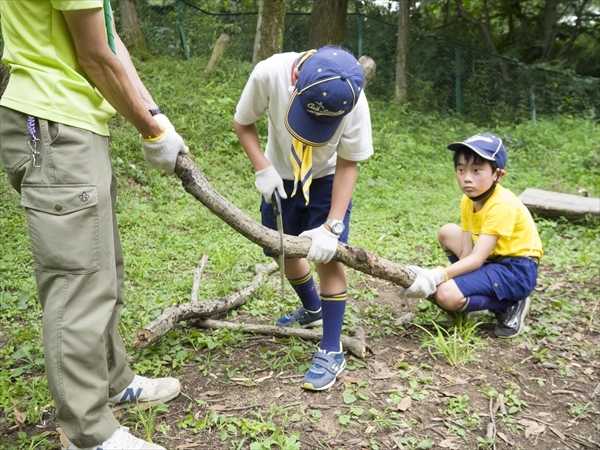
449 232
447 298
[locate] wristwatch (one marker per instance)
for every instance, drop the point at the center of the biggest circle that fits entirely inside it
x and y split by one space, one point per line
337 226
155 111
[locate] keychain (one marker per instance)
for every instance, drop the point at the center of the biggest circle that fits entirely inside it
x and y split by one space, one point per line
33 141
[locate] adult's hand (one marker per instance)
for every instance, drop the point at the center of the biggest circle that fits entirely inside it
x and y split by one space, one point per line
161 152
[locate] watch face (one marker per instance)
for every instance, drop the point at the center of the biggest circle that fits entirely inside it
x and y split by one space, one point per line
337 227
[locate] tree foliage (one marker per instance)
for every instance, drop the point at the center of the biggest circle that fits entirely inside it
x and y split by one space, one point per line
560 32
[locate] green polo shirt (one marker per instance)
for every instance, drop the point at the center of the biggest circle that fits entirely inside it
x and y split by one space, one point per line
46 80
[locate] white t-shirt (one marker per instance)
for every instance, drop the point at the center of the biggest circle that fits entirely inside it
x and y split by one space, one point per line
269 88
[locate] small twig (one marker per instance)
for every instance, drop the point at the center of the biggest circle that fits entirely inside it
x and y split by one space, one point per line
239 408
502 406
197 277
493 423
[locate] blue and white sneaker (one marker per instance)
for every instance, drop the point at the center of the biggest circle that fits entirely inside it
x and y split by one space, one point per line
121 439
325 368
304 317
146 391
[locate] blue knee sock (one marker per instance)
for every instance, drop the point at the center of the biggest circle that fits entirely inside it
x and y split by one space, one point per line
334 307
481 302
451 257
307 291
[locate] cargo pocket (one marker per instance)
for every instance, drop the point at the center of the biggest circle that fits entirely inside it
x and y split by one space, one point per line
63 227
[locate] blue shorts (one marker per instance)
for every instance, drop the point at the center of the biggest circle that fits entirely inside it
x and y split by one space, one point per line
510 279
297 216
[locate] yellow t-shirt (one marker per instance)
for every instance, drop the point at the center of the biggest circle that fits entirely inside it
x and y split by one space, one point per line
503 215
46 80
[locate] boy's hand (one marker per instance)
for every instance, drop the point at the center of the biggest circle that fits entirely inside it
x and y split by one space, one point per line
324 244
425 284
268 180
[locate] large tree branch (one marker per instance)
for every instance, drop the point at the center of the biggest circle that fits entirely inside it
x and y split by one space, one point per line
485 31
294 247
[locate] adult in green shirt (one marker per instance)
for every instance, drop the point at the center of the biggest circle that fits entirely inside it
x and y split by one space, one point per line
70 72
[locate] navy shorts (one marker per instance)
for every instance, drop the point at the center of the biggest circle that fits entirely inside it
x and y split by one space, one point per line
297 216
510 279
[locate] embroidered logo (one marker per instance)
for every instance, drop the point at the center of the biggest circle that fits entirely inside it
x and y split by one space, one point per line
84 197
318 109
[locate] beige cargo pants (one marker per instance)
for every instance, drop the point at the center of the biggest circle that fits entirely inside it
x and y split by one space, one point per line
69 194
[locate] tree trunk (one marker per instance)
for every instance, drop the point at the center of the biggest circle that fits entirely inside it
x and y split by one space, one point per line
401 85
269 29
217 53
131 32
327 23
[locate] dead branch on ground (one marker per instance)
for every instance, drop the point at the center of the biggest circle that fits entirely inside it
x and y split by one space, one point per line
354 344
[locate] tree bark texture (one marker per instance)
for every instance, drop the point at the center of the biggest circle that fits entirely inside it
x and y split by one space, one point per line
327 23
217 54
269 29
131 32
402 46
294 247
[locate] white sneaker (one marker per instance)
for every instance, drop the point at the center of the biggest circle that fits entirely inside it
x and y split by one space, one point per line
120 440
146 391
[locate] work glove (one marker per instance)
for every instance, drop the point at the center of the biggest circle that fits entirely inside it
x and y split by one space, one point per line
324 244
267 181
425 283
161 152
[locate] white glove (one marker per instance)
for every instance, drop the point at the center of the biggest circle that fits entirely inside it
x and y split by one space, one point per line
324 244
425 284
162 153
267 181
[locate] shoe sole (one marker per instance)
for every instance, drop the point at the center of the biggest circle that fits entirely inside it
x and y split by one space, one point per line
310 387
522 324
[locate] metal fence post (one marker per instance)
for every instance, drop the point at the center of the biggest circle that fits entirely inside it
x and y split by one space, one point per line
457 77
532 96
360 35
186 49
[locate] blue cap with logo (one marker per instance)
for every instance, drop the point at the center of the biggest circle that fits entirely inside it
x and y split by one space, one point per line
485 145
328 87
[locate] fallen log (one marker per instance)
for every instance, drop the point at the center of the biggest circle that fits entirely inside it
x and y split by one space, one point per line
176 313
354 344
357 258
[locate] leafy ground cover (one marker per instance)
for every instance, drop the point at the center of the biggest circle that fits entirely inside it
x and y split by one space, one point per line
438 382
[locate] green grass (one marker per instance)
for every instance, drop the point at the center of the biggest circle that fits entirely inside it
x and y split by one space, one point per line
405 192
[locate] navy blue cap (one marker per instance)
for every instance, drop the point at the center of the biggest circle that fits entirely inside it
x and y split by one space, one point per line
485 145
328 87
